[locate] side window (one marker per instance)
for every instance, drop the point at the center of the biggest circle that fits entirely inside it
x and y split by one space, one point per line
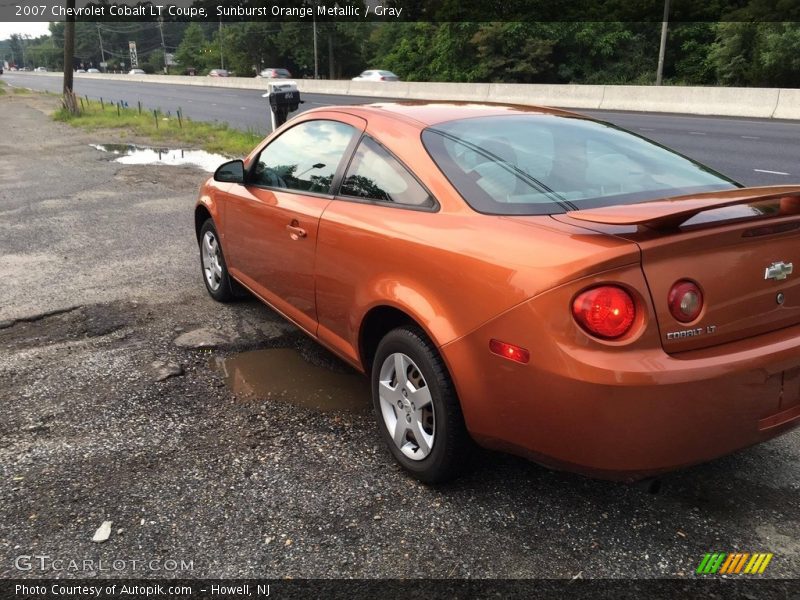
304 158
374 174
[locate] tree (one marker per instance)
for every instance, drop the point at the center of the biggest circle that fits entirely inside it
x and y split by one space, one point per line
15 43
687 58
252 46
154 62
734 53
43 53
405 49
780 54
513 52
193 50
605 52
69 101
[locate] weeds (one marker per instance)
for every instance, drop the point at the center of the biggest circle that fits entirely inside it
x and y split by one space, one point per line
162 127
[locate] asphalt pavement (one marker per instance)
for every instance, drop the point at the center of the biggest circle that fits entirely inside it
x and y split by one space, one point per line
752 151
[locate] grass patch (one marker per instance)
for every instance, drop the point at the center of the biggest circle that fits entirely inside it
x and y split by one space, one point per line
6 89
162 127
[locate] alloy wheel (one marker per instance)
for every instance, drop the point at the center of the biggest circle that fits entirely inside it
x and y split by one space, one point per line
406 406
212 262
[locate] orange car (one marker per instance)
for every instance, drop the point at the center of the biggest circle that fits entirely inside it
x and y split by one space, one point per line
533 280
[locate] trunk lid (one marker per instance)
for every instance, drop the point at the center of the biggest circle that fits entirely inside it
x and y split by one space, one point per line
739 246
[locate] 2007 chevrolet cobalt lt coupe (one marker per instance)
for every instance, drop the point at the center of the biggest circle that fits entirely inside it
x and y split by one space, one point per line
533 280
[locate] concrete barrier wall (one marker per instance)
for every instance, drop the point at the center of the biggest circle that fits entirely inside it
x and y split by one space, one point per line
733 102
739 102
569 96
788 106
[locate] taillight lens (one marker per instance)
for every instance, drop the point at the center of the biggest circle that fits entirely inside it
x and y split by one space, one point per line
607 311
685 301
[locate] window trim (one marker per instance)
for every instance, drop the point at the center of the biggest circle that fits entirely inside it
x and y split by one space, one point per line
436 207
338 174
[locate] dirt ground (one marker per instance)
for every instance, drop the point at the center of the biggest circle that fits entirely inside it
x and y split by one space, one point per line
110 412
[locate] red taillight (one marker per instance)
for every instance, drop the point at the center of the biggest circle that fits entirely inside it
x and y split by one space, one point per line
383 78
606 311
510 351
685 301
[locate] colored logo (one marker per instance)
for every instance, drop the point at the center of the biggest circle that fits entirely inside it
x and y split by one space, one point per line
739 563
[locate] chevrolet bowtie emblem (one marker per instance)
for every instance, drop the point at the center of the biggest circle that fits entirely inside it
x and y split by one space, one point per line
778 271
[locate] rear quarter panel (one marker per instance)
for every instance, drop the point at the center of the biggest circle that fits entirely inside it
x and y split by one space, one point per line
450 270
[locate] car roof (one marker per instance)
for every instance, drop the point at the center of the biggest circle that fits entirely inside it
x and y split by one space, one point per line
431 113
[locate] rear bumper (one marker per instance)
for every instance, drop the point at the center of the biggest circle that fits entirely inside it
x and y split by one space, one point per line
621 411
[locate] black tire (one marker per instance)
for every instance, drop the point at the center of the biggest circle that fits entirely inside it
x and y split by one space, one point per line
225 291
451 445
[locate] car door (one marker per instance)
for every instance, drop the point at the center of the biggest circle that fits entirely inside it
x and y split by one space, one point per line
271 221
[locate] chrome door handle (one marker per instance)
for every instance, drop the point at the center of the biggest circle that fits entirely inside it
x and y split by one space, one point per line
296 232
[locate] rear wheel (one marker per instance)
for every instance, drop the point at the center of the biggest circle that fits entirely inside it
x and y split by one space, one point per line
416 407
212 262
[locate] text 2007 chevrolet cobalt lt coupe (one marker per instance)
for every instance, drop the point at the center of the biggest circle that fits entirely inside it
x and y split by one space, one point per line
533 280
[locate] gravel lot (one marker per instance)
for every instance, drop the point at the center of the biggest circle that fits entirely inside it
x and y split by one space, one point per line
102 276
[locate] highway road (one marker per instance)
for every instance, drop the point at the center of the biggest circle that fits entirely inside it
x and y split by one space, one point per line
752 151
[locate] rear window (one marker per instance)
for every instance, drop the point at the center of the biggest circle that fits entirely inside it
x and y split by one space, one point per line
544 164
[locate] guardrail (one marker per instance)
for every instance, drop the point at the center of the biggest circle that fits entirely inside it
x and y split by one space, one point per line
770 103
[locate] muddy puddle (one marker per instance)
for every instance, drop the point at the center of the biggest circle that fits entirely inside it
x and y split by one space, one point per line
283 374
131 154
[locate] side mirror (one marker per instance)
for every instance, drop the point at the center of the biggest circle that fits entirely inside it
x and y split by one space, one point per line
230 172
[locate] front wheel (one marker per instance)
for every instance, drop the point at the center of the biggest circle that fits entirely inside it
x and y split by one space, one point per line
212 263
416 407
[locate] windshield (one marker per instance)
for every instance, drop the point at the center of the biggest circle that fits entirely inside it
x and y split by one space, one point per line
546 164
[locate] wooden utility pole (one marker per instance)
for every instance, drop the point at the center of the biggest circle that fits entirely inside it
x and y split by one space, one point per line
69 101
662 49
164 46
331 74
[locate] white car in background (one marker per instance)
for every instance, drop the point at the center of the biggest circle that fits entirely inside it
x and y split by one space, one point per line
40 70
376 75
136 72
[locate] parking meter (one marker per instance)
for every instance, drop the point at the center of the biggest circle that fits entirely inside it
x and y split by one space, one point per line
284 97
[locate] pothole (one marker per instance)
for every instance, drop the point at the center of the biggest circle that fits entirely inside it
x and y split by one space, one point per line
66 325
283 374
131 154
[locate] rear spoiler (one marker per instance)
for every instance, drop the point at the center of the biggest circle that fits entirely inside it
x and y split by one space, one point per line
671 212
